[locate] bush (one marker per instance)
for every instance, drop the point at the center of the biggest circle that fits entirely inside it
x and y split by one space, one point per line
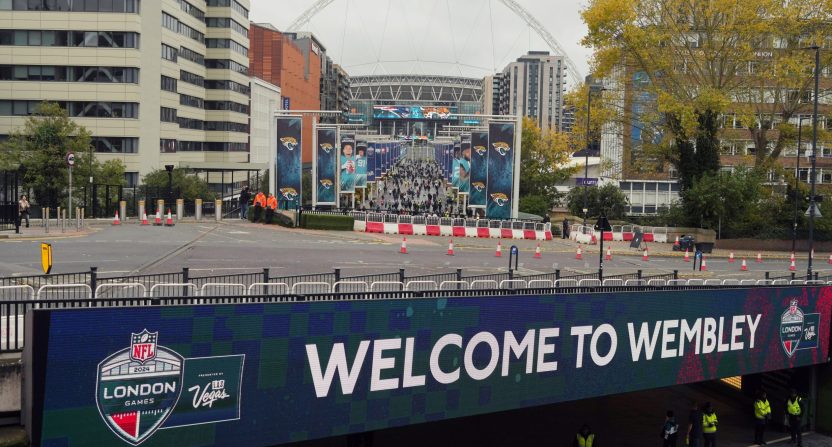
326 222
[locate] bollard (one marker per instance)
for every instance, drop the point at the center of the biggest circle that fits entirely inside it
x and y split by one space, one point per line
63 220
77 218
46 218
83 216
218 209
122 210
160 206
198 209
180 209
142 210
57 217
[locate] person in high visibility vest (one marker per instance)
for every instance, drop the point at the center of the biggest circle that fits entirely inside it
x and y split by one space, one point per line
259 204
795 412
762 413
585 438
271 206
709 425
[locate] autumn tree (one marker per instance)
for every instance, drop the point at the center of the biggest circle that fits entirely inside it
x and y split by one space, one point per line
543 160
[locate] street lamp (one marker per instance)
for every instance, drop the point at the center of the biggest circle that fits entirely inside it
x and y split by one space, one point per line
797 180
591 87
814 159
169 168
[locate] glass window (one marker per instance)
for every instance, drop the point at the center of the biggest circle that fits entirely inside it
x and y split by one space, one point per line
90 5
5 5
34 38
5 108
21 37
48 38
91 39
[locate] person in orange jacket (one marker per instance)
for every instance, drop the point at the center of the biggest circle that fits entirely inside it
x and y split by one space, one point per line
271 206
259 204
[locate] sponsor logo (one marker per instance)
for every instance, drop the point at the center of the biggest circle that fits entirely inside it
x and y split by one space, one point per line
289 194
205 396
480 150
499 198
478 186
289 143
798 330
501 148
326 183
326 147
138 387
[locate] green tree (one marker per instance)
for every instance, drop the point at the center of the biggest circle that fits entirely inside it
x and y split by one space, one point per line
542 166
186 185
39 150
607 198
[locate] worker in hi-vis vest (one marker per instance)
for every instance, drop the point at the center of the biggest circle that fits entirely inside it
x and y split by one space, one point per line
762 413
795 412
709 424
585 438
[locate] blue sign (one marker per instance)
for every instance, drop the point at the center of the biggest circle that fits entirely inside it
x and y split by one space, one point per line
286 103
580 181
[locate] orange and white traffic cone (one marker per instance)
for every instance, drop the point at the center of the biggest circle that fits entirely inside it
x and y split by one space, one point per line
744 267
579 253
403 250
791 258
451 248
646 255
608 257
687 255
158 220
144 219
731 257
169 219
537 251
704 266
830 260
676 242
792 267
116 220
499 252
759 258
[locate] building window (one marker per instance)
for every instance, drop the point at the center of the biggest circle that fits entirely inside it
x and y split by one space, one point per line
228 85
233 4
227 43
128 6
167 146
192 10
191 101
187 31
115 145
226 22
169 53
227 105
190 78
170 22
168 84
123 75
226 64
46 38
168 115
131 179
191 55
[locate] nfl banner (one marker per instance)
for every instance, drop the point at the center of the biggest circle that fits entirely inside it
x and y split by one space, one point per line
360 164
324 166
457 154
465 165
347 164
500 170
371 162
287 165
479 169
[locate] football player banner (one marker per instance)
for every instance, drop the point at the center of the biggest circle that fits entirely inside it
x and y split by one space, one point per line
479 169
287 162
500 182
360 164
371 162
324 164
346 163
267 374
464 165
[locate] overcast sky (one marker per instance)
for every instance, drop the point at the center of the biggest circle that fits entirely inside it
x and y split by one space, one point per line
450 37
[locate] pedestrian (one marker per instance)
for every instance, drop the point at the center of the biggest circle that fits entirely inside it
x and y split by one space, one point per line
762 413
546 218
694 426
670 430
709 425
259 205
794 410
564 229
245 196
271 206
585 438
23 210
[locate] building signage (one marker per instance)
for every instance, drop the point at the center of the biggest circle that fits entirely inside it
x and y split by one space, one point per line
580 181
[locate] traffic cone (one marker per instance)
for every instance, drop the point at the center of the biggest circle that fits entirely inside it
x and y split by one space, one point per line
579 253
537 251
744 267
609 255
169 219
158 220
499 252
687 255
144 219
792 267
676 243
403 250
116 221
731 257
451 248
791 258
646 255
759 258
704 266
830 260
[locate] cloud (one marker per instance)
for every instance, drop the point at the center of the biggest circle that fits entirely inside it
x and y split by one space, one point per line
448 37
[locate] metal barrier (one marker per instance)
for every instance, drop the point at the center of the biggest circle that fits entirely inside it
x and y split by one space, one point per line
541 284
120 287
459 285
349 286
612 282
184 289
656 282
267 287
16 293
399 286
224 289
589 283
566 283
511 283
483 284
64 288
318 284
432 285
635 282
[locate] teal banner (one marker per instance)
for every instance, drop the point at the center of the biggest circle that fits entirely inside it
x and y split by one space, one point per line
479 169
346 161
268 374
500 184
288 165
360 164
325 163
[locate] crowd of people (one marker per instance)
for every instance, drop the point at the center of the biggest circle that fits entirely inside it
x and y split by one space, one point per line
412 187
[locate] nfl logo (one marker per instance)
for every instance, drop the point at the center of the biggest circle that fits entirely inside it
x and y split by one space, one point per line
143 346
791 328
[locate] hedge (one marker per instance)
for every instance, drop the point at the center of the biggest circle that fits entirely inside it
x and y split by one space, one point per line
326 222
277 218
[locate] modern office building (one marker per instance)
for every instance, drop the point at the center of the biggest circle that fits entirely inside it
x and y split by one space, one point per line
534 86
335 89
156 83
265 100
491 94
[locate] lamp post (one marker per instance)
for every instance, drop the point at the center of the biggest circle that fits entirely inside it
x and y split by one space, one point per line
169 168
796 181
814 159
591 87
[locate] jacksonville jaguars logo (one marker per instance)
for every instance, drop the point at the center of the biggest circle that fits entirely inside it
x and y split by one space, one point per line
501 148
289 194
499 198
326 183
480 150
478 186
326 147
289 143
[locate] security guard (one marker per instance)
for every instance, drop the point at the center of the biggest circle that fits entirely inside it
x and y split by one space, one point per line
259 204
585 438
709 424
271 206
795 412
762 413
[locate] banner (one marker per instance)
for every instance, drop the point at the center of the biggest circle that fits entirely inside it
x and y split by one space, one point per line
325 173
266 374
455 159
479 169
500 183
346 161
464 165
371 162
361 164
287 164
